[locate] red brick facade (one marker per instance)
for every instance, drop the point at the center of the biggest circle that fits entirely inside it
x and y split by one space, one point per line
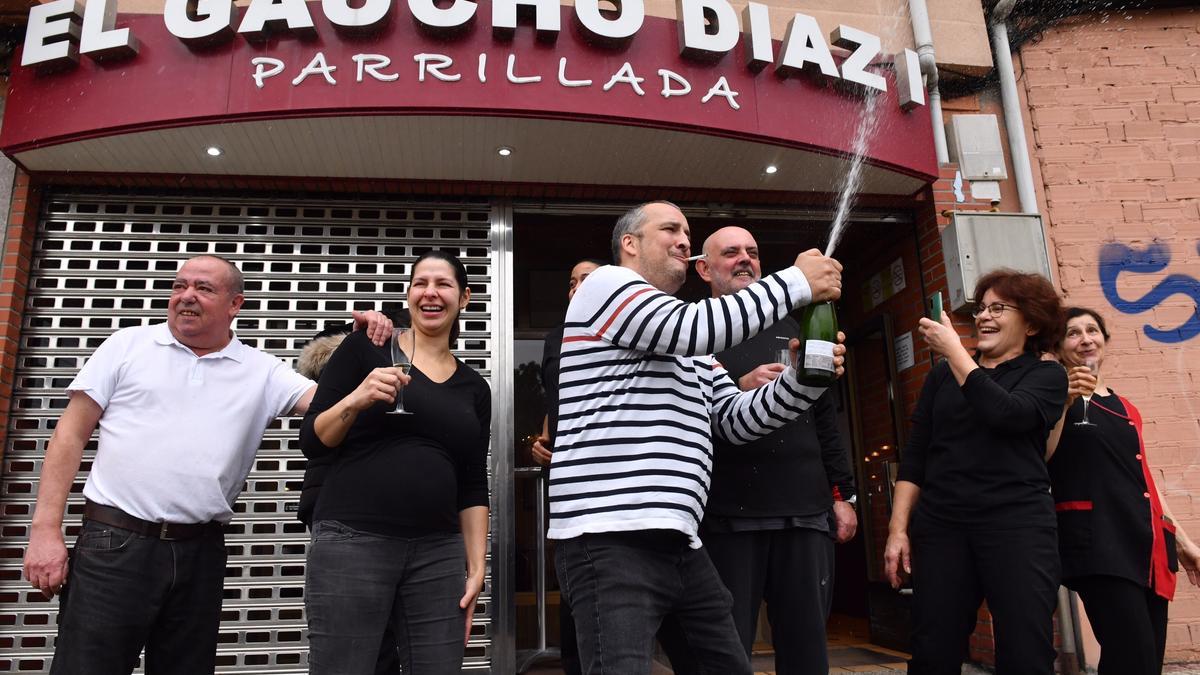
14 283
1115 110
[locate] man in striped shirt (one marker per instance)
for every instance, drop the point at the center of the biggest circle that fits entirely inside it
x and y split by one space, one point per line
640 397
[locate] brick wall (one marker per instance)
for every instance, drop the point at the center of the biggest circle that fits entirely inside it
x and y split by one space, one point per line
14 282
1115 111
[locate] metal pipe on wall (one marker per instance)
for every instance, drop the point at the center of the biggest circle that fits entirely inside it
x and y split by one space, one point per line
1018 147
923 37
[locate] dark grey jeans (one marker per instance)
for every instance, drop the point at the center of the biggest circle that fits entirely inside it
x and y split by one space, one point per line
126 591
356 583
792 569
622 586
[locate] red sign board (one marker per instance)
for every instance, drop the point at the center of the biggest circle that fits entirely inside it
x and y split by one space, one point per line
645 82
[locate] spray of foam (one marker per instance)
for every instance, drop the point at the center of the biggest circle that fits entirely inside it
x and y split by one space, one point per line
868 124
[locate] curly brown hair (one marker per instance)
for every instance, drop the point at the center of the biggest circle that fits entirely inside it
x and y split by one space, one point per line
1035 298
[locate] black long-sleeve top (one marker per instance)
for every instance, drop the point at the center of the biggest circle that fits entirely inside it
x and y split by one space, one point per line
551 351
402 475
977 450
1110 521
794 471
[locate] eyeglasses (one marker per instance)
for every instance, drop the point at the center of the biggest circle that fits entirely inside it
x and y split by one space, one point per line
994 309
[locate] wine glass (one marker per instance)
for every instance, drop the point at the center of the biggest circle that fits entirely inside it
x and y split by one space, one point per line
783 355
1093 366
404 363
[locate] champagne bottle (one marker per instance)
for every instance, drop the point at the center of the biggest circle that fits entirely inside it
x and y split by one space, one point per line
818 335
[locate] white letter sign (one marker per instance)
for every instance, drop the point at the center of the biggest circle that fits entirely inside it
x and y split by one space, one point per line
804 49
261 73
627 76
371 15
98 39
183 20
602 29
701 39
854 68
265 16
60 18
545 12
371 63
756 27
437 20
669 77
433 64
910 84
318 66
721 88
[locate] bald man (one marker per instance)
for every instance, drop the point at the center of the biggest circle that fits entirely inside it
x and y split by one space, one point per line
777 504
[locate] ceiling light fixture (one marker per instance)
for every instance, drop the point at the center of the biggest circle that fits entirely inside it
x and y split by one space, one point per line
504 151
214 151
771 168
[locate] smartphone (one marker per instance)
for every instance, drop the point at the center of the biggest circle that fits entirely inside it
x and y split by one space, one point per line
933 306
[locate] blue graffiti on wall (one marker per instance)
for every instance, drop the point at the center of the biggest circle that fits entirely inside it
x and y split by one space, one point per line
1118 258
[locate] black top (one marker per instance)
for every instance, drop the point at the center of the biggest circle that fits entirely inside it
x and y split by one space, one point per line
976 451
550 357
1104 503
402 475
795 470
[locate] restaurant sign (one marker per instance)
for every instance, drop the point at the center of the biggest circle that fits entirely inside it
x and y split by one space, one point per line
61 31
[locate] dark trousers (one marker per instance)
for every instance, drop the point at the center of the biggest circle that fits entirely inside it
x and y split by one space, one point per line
356 583
126 591
1130 622
569 644
622 586
1016 571
388 662
792 570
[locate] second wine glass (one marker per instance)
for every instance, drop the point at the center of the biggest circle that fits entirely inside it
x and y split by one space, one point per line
1093 366
401 360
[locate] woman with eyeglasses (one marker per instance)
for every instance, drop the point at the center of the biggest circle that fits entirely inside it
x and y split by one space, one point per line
972 518
1119 545
400 526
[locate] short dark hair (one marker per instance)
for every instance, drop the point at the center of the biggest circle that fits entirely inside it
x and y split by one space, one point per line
460 275
1075 312
595 261
1035 298
631 222
237 282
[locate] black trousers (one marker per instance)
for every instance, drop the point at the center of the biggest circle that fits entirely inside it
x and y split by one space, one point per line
954 569
126 591
792 570
622 586
568 642
1130 622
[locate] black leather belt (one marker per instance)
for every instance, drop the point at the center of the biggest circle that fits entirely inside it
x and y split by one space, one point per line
115 517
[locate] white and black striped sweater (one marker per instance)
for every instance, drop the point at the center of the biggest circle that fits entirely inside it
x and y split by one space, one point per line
640 396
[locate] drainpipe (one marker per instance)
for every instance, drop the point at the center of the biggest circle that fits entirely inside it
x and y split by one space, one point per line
1018 148
923 36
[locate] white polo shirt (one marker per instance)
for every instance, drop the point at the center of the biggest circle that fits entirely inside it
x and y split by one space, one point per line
179 432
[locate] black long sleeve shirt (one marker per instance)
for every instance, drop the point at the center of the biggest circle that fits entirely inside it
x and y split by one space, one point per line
1107 504
402 475
795 470
551 350
976 450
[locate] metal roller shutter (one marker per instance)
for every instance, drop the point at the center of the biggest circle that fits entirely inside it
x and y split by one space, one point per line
106 262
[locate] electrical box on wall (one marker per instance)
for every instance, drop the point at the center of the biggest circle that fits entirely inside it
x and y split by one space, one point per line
974 142
977 243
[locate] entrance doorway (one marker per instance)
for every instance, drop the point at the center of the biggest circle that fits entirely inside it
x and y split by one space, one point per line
547 241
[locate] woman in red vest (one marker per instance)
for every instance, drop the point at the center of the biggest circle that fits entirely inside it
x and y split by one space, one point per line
1119 545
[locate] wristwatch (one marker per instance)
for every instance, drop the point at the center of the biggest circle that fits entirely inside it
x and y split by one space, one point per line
852 501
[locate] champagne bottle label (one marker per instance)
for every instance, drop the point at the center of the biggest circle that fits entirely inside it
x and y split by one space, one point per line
818 355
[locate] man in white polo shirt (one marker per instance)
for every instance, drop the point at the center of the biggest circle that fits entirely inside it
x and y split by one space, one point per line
181 407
